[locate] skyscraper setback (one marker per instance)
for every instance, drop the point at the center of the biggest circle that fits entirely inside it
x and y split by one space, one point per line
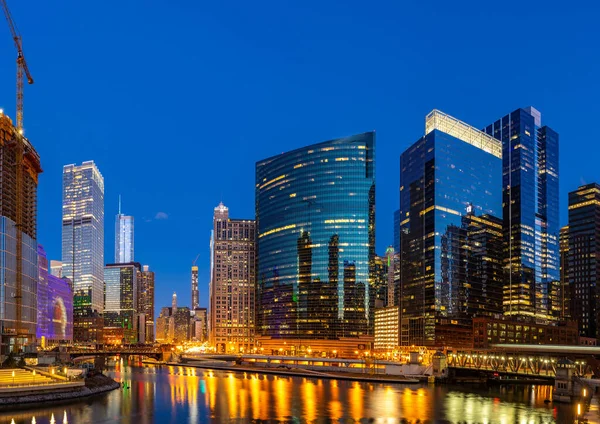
83 246
123 237
232 284
530 214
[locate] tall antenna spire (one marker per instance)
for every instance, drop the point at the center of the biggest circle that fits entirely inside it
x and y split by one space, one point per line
119 204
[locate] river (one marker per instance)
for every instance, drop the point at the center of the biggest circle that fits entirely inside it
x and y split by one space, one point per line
189 395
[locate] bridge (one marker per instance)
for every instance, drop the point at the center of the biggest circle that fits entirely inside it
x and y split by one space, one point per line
538 361
152 352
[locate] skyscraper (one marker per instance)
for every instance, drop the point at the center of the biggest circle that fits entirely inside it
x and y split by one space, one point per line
146 301
232 285
123 237
315 212
19 169
530 214
195 293
583 264
450 179
121 302
83 246
564 273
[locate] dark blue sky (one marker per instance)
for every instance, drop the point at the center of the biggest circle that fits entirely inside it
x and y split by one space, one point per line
176 101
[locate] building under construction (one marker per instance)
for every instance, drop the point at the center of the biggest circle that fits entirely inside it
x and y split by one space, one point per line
19 169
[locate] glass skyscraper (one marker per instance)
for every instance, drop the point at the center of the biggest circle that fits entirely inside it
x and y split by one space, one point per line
123 237
121 284
530 214
83 245
450 196
315 212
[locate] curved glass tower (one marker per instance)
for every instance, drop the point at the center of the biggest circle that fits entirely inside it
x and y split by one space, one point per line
315 216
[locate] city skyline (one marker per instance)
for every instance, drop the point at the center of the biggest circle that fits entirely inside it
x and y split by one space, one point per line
394 105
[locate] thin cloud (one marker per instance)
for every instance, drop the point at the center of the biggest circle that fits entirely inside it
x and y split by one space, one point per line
161 216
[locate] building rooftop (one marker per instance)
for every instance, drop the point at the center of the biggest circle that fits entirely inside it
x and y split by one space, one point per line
437 120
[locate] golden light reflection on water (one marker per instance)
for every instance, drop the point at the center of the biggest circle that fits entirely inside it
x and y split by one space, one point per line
191 395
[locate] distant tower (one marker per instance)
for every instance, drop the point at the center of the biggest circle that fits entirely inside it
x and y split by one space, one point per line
174 303
123 237
195 293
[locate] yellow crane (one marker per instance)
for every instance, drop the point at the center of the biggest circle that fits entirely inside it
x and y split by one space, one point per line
19 145
21 64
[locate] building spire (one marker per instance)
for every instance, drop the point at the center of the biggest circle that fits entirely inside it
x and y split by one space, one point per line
119 204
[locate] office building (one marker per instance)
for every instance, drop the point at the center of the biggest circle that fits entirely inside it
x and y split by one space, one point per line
564 274
56 268
200 325
397 230
530 214
232 284
146 302
19 169
450 192
163 324
83 247
490 331
181 321
195 293
121 303
387 329
583 264
54 306
315 212
123 237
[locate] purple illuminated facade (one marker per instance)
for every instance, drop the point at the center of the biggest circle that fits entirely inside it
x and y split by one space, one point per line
55 306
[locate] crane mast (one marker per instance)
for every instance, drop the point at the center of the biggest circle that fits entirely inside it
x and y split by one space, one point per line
19 145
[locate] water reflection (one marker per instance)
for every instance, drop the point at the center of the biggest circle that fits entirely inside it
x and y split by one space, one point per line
187 395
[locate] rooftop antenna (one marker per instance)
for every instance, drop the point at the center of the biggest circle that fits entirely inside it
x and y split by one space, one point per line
119 204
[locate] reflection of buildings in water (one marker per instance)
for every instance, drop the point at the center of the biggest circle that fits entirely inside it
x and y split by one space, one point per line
355 397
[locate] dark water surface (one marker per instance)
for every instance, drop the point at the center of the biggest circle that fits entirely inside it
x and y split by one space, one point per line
189 395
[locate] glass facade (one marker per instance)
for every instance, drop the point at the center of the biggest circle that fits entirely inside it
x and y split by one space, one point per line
54 306
8 289
123 239
146 301
83 243
450 194
583 243
121 298
315 211
530 214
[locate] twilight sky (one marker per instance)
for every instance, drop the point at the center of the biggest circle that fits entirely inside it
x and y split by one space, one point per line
176 100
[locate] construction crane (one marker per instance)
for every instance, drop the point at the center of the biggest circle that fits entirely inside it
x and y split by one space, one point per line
19 145
22 67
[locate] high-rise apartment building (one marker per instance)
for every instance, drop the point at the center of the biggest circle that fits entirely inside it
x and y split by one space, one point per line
83 247
19 169
530 214
121 303
195 292
146 301
583 263
232 285
199 330
123 237
450 192
163 324
315 212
